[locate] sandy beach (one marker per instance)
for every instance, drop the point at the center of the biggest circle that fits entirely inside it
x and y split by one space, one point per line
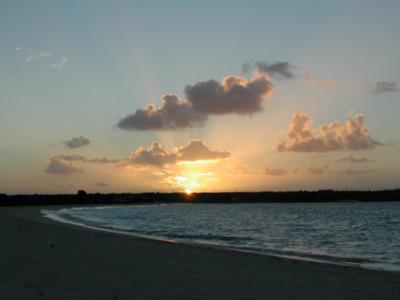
43 259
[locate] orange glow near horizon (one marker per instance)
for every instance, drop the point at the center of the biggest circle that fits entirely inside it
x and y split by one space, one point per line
187 184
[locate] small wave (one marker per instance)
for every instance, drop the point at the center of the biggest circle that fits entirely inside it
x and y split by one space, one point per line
206 240
312 256
268 242
207 237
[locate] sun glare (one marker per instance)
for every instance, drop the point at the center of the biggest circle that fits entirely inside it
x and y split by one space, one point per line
186 184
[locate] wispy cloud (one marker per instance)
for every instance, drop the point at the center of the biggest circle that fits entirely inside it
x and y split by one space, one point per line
384 87
318 170
352 159
352 172
80 158
308 79
328 85
45 54
325 170
64 164
31 58
275 171
61 64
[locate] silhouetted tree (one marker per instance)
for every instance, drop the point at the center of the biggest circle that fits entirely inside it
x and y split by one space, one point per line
81 194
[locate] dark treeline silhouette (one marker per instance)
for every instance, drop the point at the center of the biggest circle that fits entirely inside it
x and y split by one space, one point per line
229 197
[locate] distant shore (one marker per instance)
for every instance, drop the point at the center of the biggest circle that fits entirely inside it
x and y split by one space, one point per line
43 259
81 197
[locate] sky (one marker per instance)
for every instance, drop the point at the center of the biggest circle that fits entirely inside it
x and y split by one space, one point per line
205 96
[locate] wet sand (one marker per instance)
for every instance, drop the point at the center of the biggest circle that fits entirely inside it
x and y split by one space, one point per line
43 259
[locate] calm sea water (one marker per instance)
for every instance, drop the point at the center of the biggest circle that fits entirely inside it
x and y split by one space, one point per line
362 234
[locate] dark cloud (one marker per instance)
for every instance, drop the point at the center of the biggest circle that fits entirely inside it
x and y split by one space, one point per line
59 166
302 137
352 159
275 172
234 95
77 142
154 155
101 184
174 113
384 87
157 155
278 70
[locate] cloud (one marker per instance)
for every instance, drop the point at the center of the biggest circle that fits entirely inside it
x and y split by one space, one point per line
278 70
31 58
234 95
45 54
352 172
318 171
353 159
328 85
197 150
156 155
59 166
61 64
77 142
80 158
384 87
70 157
275 172
153 156
65 164
18 49
174 113
101 184
350 135
104 160
308 79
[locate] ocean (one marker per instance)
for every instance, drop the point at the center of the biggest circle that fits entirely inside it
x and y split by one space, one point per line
366 235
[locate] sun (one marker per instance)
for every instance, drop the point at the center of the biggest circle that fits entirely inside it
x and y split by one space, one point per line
186 183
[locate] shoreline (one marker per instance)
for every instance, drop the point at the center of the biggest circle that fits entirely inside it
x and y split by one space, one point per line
45 259
56 218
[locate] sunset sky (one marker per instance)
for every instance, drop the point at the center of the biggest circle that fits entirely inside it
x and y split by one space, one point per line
132 96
